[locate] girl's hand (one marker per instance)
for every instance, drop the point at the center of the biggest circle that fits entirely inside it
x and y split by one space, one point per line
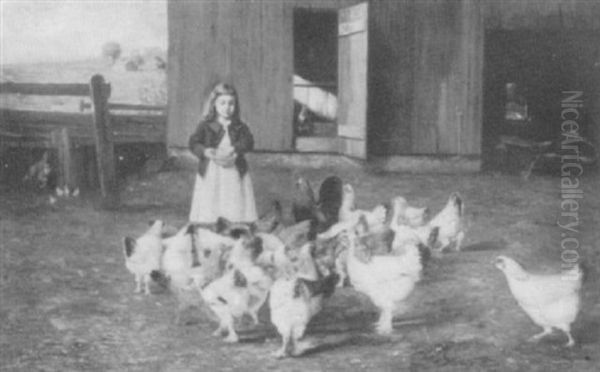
226 161
210 153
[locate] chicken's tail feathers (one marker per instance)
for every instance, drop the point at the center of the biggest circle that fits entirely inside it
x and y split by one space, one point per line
458 202
424 253
578 271
433 236
159 277
129 244
276 204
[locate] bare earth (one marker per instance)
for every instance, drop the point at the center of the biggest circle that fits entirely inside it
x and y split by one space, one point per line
67 301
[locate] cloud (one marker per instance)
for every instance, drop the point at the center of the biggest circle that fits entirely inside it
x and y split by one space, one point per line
61 30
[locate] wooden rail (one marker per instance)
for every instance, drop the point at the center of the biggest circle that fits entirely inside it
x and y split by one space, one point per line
125 106
99 128
45 89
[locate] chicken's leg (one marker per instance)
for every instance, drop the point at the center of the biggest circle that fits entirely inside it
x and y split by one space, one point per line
567 329
537 337
384 325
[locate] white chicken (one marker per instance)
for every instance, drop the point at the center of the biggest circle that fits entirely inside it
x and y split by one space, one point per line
348 212
405 214
241 290
386 279
551 301
449 220
143 255
295 300
192 258
348 215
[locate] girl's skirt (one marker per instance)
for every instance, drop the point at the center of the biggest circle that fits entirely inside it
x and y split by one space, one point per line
222 192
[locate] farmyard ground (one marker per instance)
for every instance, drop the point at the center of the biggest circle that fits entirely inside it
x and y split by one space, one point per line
67 301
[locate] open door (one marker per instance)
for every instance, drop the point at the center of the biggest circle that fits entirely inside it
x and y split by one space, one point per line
352 80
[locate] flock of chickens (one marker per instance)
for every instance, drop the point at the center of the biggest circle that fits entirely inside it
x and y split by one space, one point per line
381 252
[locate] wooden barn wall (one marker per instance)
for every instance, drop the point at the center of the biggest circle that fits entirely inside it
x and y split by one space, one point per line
391 43
248 43
447 78
541 14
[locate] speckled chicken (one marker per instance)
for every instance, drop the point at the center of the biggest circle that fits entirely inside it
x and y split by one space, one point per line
241 290
294 300
450 223
143 255
551 301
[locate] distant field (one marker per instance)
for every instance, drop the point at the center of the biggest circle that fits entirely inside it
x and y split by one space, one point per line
147 85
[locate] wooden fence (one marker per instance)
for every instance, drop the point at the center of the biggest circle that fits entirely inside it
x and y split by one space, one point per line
64 131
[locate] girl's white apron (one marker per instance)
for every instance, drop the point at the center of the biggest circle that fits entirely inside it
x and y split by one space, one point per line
223 193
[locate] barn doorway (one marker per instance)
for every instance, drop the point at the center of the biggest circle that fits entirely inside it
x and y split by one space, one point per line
315 86
525 75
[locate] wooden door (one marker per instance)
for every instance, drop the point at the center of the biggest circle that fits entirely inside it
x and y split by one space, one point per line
352 80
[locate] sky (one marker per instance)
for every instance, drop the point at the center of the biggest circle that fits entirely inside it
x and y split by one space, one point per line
66 30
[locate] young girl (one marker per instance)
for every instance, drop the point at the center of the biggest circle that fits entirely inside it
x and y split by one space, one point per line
223 186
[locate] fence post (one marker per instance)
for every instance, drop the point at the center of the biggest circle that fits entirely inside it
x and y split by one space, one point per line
100 91
61 141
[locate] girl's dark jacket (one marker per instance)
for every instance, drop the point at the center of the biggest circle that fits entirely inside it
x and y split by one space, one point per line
209 134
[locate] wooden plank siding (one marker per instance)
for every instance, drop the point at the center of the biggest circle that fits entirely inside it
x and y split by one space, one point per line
425 65
448 76
391 76
541 14
248 43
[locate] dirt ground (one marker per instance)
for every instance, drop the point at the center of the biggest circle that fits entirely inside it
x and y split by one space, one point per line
67 301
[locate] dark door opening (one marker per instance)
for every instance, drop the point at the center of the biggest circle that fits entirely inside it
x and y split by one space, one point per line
315 76
525 76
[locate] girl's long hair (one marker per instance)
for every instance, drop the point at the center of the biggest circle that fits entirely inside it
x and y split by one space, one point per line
210 113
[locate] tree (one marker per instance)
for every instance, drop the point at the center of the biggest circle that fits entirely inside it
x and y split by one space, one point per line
111 50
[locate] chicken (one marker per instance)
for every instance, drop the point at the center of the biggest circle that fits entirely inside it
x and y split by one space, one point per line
375 220
330 200
449 220
405 214
295 300
304 204
177 259
271 220
348 215
551 301
408 225
210 252
241 290
386 279
193 258
297 234
143 256
39 172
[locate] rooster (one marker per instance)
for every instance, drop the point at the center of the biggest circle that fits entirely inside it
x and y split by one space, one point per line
551 301
386 279
449 220
143 256
295 300
242 290
330 200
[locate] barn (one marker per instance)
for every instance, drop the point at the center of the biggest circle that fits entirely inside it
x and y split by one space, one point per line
400 83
